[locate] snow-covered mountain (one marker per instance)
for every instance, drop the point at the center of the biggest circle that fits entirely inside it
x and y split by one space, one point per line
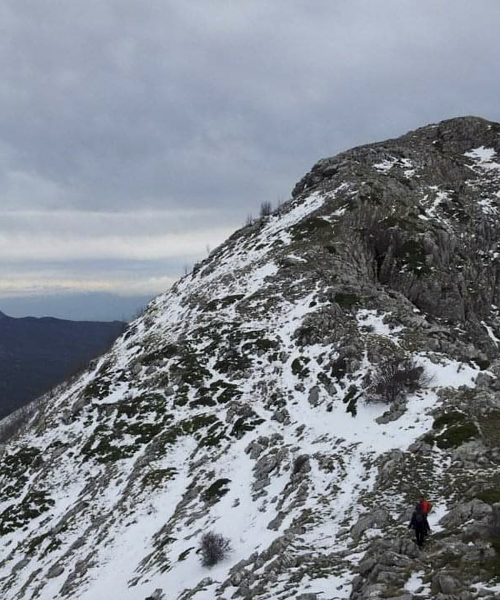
249 401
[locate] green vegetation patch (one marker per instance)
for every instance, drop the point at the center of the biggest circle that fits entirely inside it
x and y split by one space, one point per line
245 424
233 361
339 368
490 428
206 429
14 471
141 405
310 226
16 516
347 300
257 342
225 391
456 435
455 208
142 418
97 389
218 392
216 491
203 397
102 446
483 364
165 352
157 477
450 418
16 464
189 367
490 496
219 303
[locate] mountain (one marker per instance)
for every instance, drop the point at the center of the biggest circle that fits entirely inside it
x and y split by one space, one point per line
37 354
296 394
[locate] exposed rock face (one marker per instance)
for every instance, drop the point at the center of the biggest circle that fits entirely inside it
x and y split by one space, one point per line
248 401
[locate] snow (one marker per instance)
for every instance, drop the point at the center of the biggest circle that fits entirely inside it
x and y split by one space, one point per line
375 320
127 526
486 588
448 373
387 164
439 510
483 158
431 203
416 585
491 335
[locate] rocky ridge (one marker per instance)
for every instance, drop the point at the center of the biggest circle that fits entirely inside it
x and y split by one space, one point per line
242 402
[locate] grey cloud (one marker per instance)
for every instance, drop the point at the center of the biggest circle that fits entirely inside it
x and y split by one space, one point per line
197 100
116 105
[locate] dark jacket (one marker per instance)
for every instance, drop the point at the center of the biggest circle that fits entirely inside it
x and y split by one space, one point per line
419 521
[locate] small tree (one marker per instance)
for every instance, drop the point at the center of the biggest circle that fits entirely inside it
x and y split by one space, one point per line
214 547
396 377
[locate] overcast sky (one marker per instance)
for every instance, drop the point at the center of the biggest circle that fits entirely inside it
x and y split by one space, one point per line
135 135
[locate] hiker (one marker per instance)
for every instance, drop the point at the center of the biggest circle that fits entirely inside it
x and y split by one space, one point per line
420 524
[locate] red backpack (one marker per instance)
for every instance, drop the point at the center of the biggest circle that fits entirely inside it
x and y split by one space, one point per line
426 506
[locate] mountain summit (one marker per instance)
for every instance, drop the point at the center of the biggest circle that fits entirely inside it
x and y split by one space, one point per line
320 371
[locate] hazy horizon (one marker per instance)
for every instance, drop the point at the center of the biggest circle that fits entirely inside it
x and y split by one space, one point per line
91 306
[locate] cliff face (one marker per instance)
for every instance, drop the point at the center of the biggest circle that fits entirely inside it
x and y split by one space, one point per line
250 400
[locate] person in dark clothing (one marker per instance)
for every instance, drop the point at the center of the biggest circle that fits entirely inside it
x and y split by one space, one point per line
420 524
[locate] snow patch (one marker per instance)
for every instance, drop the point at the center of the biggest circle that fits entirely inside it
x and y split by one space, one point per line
484 157
416 584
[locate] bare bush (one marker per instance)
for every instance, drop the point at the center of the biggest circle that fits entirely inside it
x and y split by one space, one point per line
265 209
249 220
214 547
395 378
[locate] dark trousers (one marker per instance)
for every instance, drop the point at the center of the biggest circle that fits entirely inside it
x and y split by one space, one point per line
420 534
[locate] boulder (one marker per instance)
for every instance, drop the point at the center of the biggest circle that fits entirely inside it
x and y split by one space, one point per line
447 584
377 518
476 510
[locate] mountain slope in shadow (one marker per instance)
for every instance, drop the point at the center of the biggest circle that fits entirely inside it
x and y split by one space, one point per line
36 354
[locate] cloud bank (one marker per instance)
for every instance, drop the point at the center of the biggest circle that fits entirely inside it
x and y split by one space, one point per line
133 135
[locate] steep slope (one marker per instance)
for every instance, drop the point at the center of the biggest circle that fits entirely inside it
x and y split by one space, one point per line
244 401
37 354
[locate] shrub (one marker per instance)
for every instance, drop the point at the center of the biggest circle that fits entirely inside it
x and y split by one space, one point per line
265 209
214 547
395 378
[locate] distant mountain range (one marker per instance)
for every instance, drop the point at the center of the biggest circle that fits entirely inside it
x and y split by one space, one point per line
36 354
